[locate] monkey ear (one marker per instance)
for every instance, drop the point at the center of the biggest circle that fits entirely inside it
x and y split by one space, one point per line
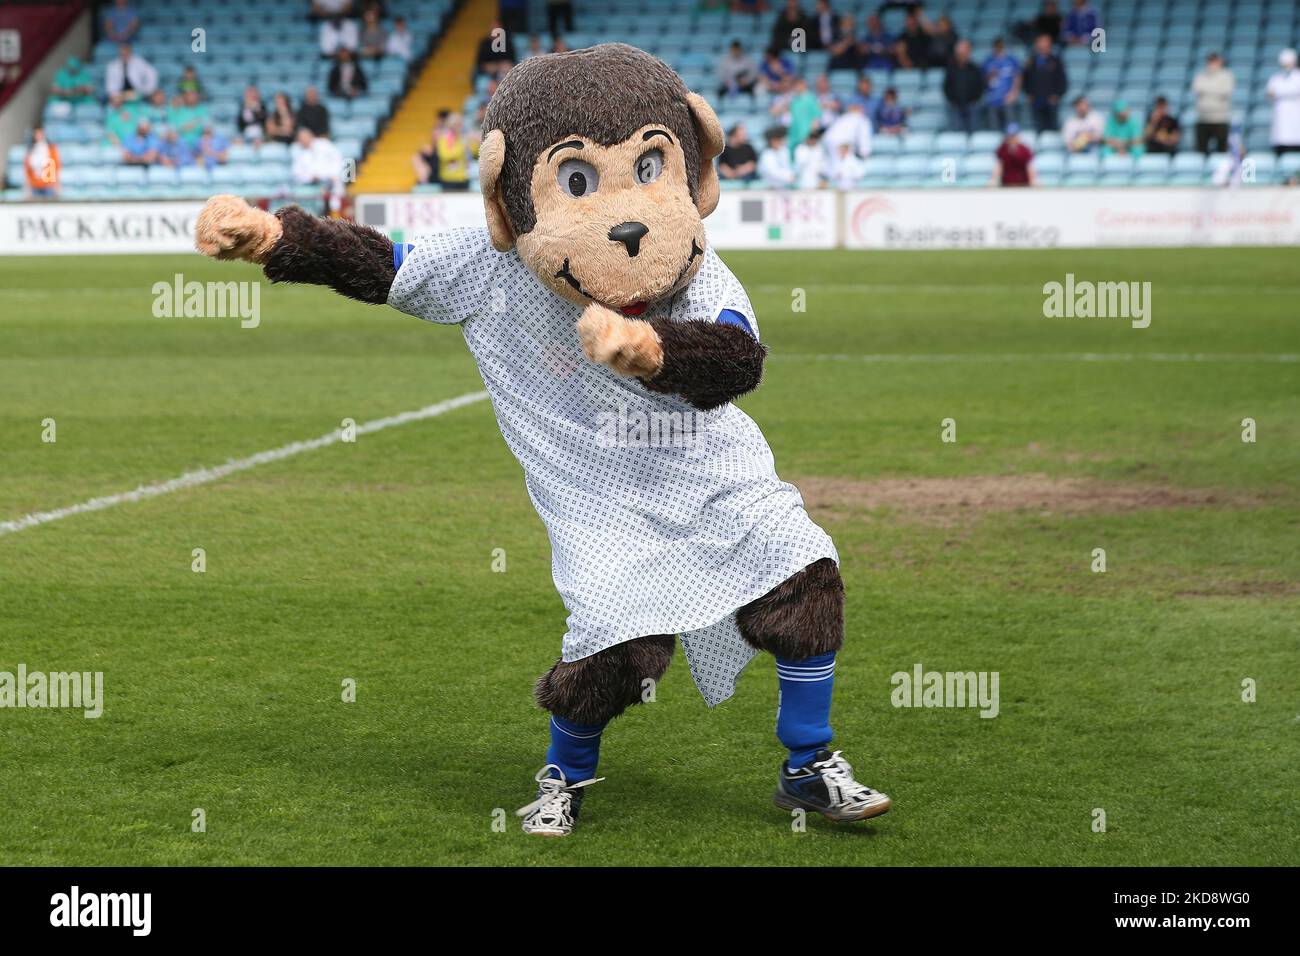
709 132
491 159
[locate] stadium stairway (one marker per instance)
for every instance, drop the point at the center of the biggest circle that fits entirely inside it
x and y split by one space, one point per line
443 84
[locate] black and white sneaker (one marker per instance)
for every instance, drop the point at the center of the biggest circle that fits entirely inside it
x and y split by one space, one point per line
555 811
826 786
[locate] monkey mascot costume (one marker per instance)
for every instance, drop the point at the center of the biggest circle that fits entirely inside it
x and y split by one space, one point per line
592 296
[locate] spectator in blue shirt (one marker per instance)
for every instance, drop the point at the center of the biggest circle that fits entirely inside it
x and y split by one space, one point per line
864 97
890 118
174 151
878 46
213 148
1079 24
141 149
1001 85
121 23
776 72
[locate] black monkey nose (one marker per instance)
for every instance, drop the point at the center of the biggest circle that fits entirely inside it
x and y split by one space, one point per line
629 233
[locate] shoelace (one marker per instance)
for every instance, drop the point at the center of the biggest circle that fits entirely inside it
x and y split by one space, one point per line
838 775
552 805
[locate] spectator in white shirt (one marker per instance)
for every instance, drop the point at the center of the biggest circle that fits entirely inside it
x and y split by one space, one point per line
1284 91
848 170
810 162
129 77
852 127
1082 131
1213 88
317 162
338 34
400 42
775 170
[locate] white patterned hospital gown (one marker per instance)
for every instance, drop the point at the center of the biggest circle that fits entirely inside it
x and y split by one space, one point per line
666 529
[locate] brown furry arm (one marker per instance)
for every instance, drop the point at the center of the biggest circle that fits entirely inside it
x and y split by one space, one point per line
351 259
706 363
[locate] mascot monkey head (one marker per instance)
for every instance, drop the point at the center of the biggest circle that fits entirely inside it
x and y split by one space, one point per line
598 166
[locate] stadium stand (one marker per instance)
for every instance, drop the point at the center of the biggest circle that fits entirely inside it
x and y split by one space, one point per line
270 43
1152 48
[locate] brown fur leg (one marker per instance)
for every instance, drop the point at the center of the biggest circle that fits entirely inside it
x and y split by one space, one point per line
598 688
801 617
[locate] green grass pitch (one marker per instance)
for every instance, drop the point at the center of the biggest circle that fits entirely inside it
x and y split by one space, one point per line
372 561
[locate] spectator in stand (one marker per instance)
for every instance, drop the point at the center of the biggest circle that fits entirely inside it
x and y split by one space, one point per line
788 21
1083 128
777 73
891 118
190 81
1079 24
121 23
174 151
1213 88
1123 132
514 15
853 127
73 83
317 162
737 72
374 39
1047 22
329 9
213 148
877 47
943 42
337 34
774 166
156 111
847 170
963 88
496 52
865 96
141 148
251 120
188 116
280 122
1284 90
42 167
749 6
827 101
823 28
119 125
129 76
1002 86
810 162
454 153
738 161
559 17
312 114
400 43
1013 162
347 80
804 114
845 51
1162 133
1044 83
912 49
425 160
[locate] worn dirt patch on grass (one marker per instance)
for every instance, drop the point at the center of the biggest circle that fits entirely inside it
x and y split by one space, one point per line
951 501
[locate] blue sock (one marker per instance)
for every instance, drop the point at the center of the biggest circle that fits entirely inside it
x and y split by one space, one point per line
575 748
803 714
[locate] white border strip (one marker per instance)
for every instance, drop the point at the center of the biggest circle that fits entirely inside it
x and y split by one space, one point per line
203 476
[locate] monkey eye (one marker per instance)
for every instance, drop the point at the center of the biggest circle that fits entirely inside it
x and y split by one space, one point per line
577 178
649 166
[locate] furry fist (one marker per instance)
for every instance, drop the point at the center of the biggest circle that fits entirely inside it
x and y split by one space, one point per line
229 228
628 346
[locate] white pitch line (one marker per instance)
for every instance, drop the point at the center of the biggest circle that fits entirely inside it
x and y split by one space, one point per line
1043 357
203 476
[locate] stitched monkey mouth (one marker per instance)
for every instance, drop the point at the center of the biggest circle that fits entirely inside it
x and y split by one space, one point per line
632 309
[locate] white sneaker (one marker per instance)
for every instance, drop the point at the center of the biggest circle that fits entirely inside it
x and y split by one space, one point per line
555 811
